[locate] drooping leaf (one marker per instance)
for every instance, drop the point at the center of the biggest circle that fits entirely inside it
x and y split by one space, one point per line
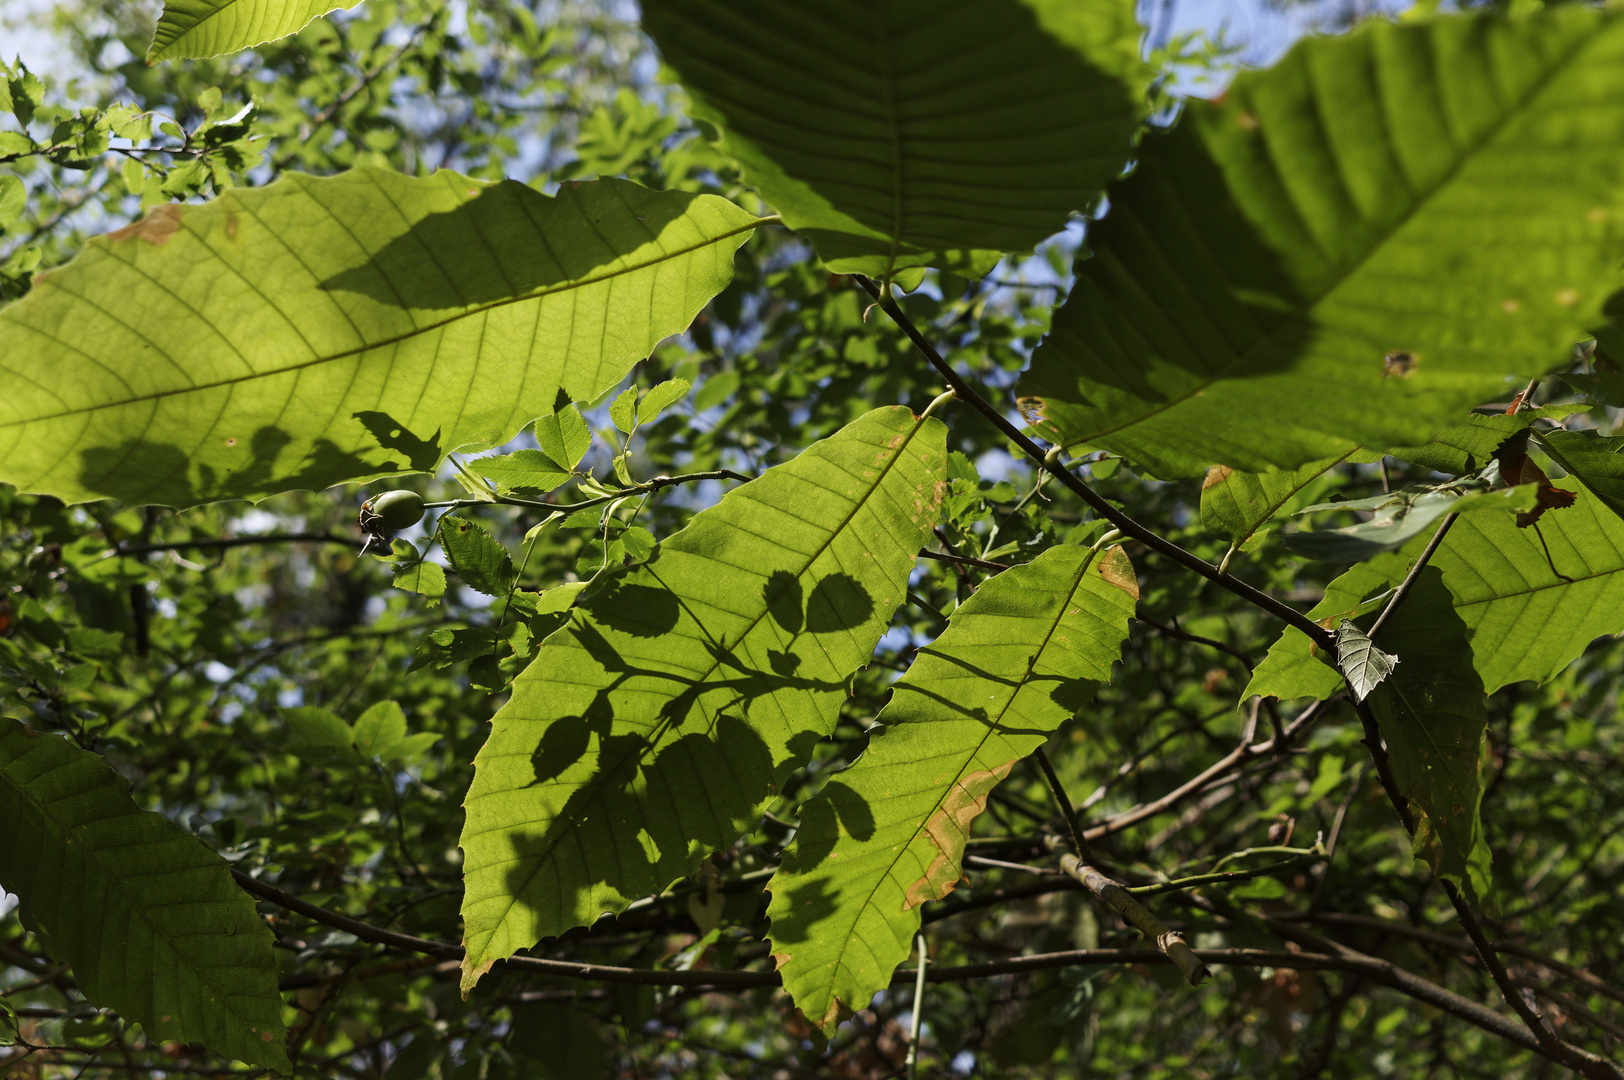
200 28
1432 717
1529 618
623 410
1235 504
1401 515
1018 659
1364 665
1596 461
148 917
725 655
902 133
1352 246
483 564
322 330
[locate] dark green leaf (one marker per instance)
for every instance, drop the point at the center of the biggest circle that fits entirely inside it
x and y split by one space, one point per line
148 917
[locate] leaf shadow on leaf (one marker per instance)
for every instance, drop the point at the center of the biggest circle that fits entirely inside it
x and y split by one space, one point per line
838 602
823 818
141 470
665 798
486 249
422 455
1255 333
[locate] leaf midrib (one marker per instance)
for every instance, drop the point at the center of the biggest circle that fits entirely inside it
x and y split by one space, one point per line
398 338
1303 312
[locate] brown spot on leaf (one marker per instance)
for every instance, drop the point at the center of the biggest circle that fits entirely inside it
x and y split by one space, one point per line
1568 297
1399 364
948 828
831 1016
1215 476
1246 120
156 228
1510 304
780 959
1116 568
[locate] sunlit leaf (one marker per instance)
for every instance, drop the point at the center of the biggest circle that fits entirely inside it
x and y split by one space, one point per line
1364 665
726 655
322 330
1018 659
216 27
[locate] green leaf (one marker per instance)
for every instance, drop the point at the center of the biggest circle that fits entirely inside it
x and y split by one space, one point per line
1353 246
660 398
727 654
1294 667
1018 659
522 470
902 133
321 330
482 563
623 410
1433 716
1235 504
149 918
199 28
316 727
1467 448
379 730
564 436
1594 460
421 577
1526 621
13 199
1364 665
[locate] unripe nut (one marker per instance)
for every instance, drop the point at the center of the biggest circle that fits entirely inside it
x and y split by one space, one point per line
395 510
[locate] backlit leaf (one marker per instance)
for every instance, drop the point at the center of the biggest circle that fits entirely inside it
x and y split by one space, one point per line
1235 504
1018 659
216 27
726 655
321 330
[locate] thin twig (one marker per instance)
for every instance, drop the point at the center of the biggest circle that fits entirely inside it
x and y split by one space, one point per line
1151 539
1075 864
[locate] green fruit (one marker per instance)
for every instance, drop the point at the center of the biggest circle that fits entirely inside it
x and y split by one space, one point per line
397 509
